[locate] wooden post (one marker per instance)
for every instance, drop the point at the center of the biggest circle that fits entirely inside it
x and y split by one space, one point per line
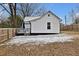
1 36
7 34
12 32
78 27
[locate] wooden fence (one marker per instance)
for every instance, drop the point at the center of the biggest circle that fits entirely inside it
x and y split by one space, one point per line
74 27
6 34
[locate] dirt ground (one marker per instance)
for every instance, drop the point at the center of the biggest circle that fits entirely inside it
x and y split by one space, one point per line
51 49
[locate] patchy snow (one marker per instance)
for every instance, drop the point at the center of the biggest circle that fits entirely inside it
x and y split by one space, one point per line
40 39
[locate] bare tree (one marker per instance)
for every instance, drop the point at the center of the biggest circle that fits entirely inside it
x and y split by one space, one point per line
74 18
22 9
71 17
11 11
72 14
30 9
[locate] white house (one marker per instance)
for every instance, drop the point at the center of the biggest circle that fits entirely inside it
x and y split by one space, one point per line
47 23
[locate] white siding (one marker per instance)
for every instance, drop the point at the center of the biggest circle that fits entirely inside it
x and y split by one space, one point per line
40 26
27 27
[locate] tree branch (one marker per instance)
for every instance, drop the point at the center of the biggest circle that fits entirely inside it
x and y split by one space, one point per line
5 8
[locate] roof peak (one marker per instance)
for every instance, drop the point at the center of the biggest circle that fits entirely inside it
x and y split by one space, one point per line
49 11
36 17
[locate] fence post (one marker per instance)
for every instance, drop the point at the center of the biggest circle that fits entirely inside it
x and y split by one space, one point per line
77 27
1 36
7 34
12 32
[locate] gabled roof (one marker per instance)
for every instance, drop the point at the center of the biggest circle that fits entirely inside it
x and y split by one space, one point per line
31 18
55 15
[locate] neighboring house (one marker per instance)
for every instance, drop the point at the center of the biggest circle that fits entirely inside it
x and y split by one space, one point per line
46 24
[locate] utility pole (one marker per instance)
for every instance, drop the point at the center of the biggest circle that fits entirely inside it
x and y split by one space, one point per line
66 22
72 15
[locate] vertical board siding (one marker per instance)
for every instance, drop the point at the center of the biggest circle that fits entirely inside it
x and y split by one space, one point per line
6 34
74 27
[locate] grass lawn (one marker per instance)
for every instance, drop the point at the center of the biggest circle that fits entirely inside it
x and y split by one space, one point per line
51 49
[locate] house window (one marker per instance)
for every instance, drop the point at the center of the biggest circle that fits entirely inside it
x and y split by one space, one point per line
48 15
48 25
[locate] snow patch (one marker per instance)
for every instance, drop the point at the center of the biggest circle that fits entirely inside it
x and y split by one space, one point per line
40 39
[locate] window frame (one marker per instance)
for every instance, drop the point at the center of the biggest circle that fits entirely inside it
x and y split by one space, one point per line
48 15
48 25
